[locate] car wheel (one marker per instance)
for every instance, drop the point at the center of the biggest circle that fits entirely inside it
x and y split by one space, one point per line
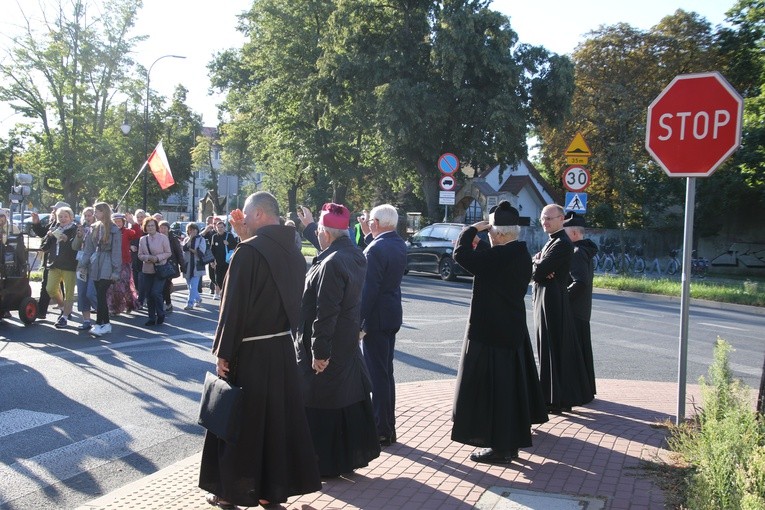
446 269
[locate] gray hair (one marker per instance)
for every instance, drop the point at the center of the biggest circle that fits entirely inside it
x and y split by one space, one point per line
507 230
385 214
335 233
264 201
579 230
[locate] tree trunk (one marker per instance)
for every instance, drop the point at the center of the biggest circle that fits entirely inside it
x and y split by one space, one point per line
429 188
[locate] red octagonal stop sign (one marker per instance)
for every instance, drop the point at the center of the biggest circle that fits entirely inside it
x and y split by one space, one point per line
694 124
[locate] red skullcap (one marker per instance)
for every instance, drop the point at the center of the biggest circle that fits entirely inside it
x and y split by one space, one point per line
335 216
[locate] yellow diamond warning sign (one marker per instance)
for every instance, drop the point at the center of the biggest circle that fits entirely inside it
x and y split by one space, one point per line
578 147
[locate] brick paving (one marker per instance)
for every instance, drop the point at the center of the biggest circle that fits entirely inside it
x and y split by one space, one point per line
598 451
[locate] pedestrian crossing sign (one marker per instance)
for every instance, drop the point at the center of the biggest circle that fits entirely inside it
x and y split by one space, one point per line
576 202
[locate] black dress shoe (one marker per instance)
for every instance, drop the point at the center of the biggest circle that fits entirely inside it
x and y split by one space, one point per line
150 323
558 409
385 440
160 320
491 456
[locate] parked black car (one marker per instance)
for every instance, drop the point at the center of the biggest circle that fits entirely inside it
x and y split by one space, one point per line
430 251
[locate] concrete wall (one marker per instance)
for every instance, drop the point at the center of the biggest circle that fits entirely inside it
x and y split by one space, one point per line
742 254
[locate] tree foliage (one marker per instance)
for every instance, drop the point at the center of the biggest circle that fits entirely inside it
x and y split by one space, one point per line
70 74
364 95
63 76
619 71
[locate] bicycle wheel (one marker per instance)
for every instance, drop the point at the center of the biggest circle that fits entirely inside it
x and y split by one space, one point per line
672 267
608 265
639 266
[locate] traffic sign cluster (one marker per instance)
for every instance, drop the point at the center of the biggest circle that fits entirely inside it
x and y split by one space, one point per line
576 178
448 164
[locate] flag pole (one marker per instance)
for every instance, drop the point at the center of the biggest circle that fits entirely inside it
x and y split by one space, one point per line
131 185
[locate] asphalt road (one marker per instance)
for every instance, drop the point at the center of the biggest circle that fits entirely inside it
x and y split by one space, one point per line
81 416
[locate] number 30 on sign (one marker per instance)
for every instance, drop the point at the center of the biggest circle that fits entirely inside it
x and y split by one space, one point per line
576 178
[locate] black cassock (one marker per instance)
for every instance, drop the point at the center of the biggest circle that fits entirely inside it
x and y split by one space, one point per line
562 370
498 394
580 297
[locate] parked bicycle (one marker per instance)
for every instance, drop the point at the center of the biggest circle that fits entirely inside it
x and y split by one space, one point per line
674 265
699 265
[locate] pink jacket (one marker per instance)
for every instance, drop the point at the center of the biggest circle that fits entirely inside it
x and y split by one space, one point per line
154 245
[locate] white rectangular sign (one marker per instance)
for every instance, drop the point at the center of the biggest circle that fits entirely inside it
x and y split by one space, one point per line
446 198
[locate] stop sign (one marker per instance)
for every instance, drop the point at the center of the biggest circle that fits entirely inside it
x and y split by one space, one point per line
694 124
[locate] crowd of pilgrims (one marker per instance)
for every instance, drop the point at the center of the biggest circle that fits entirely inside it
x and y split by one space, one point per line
341 329
110 258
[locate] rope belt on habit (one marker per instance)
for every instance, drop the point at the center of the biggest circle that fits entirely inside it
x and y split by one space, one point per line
263 337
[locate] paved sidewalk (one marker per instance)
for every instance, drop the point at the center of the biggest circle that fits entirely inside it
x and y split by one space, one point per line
589 458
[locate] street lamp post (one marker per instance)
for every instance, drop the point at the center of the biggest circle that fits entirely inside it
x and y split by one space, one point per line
146 127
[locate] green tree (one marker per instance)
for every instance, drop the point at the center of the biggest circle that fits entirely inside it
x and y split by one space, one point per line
619 71
63 78
272 92
443 76
737 186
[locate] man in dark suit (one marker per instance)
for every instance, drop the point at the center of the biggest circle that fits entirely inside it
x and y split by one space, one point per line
381 312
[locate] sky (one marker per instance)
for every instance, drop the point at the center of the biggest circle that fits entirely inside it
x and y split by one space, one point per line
198 30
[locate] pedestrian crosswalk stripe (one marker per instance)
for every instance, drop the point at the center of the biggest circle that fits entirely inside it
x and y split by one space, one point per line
19 420
26 476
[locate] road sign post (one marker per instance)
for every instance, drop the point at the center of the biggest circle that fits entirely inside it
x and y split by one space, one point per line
692 127
448 164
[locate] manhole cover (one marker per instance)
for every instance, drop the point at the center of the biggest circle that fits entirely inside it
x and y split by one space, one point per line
507 498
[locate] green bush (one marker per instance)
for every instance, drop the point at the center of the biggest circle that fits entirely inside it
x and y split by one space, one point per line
725 445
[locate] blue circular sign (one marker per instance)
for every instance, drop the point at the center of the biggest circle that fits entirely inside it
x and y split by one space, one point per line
448 163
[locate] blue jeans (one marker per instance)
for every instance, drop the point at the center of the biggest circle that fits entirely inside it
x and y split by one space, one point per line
86 296
153 287
193 285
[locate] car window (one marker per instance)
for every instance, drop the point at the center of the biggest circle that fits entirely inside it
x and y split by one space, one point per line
440 233
454 233
422 235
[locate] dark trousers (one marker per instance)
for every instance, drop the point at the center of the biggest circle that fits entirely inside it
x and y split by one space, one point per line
154 286
378 354
102 306
167 290
44 301
139 286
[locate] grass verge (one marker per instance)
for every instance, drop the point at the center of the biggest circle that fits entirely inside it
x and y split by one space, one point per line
727 291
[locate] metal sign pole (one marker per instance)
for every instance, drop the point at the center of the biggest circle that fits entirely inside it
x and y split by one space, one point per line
685 297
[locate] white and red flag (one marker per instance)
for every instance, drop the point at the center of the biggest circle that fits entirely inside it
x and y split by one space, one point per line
160 167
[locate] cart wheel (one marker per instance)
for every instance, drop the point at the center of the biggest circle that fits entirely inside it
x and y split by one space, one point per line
28 310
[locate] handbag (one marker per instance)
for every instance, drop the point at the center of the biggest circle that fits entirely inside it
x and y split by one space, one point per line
207 256
166 269
220 408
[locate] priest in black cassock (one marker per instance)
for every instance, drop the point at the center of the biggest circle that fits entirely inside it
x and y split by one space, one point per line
580 287
498 394
562 370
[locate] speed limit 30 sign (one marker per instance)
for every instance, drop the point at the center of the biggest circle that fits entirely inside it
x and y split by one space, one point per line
576 178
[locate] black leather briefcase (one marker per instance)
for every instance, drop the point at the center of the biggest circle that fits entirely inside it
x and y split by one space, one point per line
220 409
